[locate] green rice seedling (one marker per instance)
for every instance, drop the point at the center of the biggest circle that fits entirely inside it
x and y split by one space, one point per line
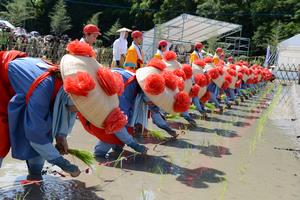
82 155
157 134
172 117
193 107
223 97
210 106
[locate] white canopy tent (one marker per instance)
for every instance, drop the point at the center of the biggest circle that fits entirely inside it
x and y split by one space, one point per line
187 29
289 51
7 24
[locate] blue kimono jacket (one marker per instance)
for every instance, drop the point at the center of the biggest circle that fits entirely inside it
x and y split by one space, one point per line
30 125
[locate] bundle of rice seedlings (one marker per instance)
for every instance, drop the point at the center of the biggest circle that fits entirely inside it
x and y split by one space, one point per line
157 134
82 155
223 96
248 91
171 116
210 106
193 107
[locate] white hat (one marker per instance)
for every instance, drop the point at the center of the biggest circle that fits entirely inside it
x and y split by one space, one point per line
124 30
95 98
155 84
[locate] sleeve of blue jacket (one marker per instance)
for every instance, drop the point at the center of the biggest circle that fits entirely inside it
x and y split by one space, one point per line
63 119
62 124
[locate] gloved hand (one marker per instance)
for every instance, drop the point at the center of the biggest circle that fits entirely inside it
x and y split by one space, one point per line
138 148
65 165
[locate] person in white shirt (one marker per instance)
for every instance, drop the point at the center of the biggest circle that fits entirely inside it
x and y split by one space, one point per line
120 46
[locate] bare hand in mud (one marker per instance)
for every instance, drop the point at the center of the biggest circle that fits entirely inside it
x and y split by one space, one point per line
145 152
62 145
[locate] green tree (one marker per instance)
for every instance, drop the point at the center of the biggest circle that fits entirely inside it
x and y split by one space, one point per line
60 21
18 11
212 45
113 29
94 19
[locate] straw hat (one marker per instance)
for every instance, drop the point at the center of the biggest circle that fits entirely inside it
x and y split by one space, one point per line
170 60
198 72
212 70
198 66
161 87
233 73
95 98
218 76
124 30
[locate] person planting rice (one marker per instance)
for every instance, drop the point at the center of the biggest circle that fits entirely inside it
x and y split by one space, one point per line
202 79
34 110
230 91
157 115
219 81
122 100
184 75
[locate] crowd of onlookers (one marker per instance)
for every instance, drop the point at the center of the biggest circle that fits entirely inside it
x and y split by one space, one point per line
36 45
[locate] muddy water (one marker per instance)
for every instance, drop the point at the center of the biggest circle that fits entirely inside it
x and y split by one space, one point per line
189 168
286 116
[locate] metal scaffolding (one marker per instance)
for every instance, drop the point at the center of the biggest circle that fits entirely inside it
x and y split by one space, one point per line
186 30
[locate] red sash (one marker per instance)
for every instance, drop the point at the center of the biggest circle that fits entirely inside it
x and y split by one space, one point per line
57 83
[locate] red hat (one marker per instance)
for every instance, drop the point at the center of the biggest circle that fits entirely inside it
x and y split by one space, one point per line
230 58
162 43
136 34
219 49
198 45
90 28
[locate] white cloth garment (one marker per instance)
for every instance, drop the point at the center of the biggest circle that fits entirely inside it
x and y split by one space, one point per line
82 40
199 55
138 50
120 47
160 52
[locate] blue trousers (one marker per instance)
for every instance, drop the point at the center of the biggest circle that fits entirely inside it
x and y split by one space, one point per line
231 93
214 91
102 148
35 165
239 92
186 116
198 105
